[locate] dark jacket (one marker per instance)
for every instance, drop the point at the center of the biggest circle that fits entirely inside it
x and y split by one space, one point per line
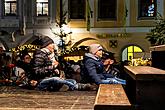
41 65
92 69
112 72
27 67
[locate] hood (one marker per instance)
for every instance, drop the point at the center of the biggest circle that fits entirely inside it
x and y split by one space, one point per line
91 56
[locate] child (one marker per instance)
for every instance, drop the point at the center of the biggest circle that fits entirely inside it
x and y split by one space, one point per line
111 72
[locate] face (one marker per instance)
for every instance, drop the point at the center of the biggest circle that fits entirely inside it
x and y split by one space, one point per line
99 53
27 59
108 61
51 47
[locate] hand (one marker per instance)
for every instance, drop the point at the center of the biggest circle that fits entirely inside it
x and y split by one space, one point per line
62 75
55 63
33 83
57 71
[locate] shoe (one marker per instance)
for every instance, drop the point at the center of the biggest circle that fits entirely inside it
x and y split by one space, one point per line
64 88
82 87
94 87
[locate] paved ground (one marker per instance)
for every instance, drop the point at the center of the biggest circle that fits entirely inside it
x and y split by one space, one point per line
15 98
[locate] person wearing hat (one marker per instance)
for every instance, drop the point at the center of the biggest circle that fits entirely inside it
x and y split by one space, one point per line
46 75
112 72
108 60
93 68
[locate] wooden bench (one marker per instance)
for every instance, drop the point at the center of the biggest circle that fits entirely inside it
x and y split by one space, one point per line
111 97
146 87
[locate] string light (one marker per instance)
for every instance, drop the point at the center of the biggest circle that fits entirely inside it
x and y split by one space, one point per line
23 47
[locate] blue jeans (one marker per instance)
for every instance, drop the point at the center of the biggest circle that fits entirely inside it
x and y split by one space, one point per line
55 81
113 80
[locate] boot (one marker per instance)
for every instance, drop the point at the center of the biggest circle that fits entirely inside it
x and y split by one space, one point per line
64 88
83 87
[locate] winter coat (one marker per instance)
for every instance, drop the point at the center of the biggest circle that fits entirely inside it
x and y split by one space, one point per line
27 67
92 69
42 65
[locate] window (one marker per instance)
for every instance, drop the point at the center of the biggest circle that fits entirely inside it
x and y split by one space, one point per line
130 52
107 9
10 7
147 8
77 9
42 7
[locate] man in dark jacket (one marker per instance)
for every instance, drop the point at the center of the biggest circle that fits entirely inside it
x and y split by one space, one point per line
93 68
45 69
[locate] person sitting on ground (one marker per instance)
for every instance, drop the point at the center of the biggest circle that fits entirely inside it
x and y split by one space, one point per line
45 74
108 60
23 68
93 68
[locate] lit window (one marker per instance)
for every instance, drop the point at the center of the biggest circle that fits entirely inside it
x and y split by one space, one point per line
77 9
107 9
147 8
129 52
42 7
10 7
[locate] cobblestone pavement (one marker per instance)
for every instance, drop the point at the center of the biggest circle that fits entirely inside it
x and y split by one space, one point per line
15 98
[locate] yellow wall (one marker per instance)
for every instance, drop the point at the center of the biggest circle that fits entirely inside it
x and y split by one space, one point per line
118 23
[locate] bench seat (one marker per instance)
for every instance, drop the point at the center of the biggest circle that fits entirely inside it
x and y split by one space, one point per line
111 97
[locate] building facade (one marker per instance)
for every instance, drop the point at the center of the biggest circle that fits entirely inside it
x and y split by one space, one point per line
120 26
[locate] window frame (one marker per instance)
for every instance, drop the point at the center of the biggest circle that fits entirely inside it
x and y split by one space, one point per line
42 10
146 17
132 52
84 13
106 19
10 14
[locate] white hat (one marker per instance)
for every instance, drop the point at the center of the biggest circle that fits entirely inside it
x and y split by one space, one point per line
93 48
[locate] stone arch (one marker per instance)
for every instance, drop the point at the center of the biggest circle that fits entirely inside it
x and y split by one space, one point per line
82 40
131 45
86 39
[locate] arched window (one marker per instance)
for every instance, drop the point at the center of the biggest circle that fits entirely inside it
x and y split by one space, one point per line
129 52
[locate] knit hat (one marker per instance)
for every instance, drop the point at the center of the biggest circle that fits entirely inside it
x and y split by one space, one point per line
93 48
45 41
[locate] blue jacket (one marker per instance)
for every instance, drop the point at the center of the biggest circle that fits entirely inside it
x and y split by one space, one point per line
92 69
